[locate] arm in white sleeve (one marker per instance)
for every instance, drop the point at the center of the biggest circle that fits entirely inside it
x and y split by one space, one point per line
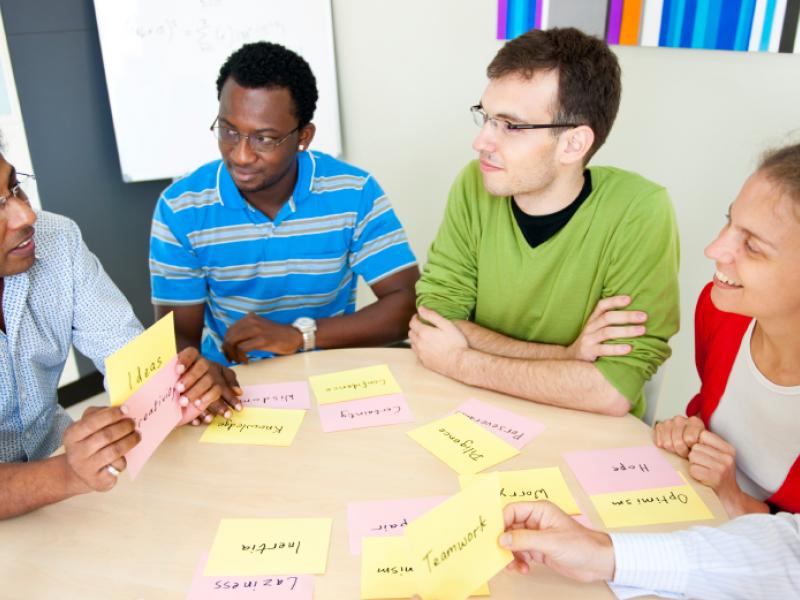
754 556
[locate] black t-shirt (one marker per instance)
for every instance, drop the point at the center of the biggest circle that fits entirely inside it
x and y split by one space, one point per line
537 229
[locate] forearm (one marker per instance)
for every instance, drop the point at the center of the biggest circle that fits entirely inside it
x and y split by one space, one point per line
566 383
750 557
382 322
498 344
27 486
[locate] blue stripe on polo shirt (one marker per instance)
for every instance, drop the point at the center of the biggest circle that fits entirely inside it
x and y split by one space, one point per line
209 245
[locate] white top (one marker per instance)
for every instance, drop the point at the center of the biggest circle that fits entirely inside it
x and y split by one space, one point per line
762 421
754 556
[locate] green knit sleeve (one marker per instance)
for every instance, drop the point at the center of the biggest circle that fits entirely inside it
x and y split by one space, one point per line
644 257
449 280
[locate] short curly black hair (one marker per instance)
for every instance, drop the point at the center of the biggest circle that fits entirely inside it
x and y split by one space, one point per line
268 65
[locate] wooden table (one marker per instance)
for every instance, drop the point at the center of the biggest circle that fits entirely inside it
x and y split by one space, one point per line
143 539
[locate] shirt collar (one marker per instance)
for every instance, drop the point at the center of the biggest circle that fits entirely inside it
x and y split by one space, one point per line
231 197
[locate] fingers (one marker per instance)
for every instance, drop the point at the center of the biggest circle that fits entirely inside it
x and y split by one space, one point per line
432 317
535 515
712 440
193 367
186 358
106 437
116 450
669 436
693 430
615 332
93 421
610 303
614 349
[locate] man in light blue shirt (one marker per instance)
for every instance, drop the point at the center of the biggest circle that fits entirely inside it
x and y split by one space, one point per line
54 295
259 253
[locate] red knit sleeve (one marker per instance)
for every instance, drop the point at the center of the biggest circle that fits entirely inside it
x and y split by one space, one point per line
700 342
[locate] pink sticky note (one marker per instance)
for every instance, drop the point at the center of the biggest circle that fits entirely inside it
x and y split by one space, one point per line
512 428
284 587
368 412
385 518
622 469
292 394
155 409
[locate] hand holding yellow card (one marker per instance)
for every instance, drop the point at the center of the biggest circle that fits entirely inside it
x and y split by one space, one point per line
258 426
354 384
132 365
270 547
462 444
532 484
453 548
386 570
650 507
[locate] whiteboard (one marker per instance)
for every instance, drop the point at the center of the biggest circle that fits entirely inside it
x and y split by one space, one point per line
162 58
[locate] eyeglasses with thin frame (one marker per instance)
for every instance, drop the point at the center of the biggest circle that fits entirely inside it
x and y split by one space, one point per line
258 142
481 118
16 190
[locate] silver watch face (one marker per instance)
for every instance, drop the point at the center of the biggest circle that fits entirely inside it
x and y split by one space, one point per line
305 324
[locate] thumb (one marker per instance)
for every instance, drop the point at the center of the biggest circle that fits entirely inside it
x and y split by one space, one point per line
232 381
521 540
432 317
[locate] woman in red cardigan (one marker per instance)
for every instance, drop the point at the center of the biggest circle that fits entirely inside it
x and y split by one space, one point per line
742 434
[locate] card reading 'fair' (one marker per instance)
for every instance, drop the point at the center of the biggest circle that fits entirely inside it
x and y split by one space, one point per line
257 426
369 412
131 366
354 384
622 469
532 484
269 547
461 444
453 548
382 518
280 587
155 409
514 429
292 394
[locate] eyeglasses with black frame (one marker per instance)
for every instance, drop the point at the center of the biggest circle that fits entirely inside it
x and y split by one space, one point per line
258 143
481 118
16 190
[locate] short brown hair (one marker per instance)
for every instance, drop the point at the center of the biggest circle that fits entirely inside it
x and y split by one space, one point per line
782 167
589 77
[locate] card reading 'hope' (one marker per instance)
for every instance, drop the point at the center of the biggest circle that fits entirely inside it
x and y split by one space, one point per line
622 469
354 384
532 484
461 444
453 548
269 547
257 426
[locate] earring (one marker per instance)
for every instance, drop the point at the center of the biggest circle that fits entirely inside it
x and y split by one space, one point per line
301 147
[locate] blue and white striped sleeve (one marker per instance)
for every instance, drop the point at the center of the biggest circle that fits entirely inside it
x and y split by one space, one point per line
176 275
379 247
754 556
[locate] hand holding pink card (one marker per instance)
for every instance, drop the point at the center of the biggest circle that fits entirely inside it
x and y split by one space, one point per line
622 469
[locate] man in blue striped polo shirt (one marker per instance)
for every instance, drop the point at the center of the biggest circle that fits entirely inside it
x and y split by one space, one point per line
259 253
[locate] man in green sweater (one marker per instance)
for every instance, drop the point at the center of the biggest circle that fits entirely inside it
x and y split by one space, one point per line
537 252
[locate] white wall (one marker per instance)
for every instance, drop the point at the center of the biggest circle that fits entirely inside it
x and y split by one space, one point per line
694 121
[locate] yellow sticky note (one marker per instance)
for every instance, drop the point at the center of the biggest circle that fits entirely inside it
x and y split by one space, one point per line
258 426
453 548
674 504
532 484
461 444
133 364
354 384
386 571
270 547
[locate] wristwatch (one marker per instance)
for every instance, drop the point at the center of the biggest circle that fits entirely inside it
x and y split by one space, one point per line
308 327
